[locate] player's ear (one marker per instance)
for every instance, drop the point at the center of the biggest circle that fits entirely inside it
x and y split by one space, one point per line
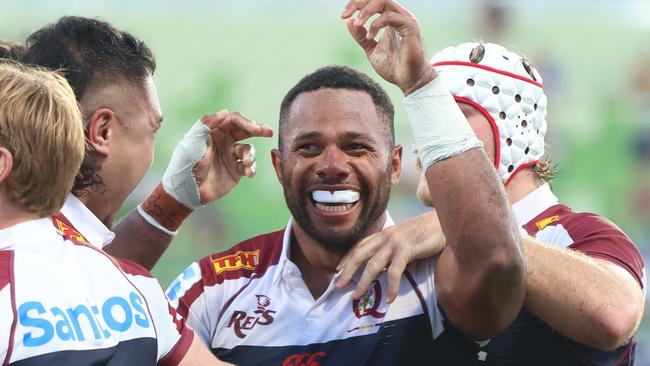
276 158
396 164
99 128
6 164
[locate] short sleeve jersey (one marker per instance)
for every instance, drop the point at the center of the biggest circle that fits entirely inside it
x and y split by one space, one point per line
250 305
66 302
529 341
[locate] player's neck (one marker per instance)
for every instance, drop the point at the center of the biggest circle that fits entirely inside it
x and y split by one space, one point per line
11 215
317 265
100 205
521 185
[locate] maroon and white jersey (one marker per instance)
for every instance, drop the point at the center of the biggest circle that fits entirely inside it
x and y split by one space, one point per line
529 341
250 305
540 214
65 302
87 226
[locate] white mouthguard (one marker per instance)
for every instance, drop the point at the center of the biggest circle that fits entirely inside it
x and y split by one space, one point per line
347 196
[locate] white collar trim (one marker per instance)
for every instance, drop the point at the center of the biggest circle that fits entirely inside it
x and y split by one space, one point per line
86 222
533 204
286 245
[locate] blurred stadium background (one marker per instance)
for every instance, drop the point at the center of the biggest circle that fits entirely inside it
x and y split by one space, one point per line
594 57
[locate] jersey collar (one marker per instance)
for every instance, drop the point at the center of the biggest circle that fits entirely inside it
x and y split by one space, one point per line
286 246
533 204
84 221
37 234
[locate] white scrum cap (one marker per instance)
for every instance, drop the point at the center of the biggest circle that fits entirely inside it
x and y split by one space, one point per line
509 93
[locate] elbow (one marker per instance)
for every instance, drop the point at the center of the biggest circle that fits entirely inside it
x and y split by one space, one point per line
503 287
611 337
506 272
616 327
493 288
507 266
506 277
504 263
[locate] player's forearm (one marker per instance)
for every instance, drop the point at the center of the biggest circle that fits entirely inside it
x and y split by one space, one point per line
585 299
139 241
482 279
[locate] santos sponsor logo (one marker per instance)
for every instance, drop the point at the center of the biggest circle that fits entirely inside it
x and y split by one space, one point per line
81 322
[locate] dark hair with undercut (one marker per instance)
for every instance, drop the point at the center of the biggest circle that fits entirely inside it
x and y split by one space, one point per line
341 77
88 52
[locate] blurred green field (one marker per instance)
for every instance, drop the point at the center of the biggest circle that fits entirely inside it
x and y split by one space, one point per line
245 55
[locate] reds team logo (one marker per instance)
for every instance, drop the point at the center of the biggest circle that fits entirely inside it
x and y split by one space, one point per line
242 323
369 303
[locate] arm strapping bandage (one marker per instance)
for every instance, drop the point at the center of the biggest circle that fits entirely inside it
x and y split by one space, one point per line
179 181
440 129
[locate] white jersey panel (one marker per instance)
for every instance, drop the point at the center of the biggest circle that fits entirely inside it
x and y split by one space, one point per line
59 312
76 305
159 308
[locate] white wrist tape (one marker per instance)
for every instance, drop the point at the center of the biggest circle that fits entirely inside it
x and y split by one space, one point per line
179 180
440 128
153 222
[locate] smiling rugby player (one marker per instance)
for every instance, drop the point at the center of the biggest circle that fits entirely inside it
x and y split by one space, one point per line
274 299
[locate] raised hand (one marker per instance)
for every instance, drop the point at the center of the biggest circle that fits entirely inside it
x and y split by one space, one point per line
398 56
209 161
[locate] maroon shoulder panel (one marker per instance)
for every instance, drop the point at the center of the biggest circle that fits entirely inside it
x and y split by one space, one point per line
6 271
593 235
250 257
598 237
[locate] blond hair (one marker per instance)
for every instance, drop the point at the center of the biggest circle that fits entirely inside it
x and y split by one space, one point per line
42 127
545 171
11 50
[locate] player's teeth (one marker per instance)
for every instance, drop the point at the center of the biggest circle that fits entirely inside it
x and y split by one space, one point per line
334 208
343 196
